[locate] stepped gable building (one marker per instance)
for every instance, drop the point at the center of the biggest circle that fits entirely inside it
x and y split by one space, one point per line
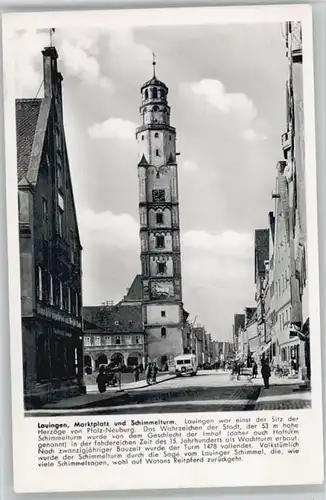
50 249
161 283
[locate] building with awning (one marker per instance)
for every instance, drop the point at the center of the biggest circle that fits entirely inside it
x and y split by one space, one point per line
262 349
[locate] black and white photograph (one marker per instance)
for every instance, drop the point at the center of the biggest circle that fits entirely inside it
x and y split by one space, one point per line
161 194
162 219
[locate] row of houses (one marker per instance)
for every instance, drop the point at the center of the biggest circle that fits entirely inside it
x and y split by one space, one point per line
278 326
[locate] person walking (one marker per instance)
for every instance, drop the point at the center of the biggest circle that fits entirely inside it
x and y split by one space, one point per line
136 373
266 373
155 370
254 370
239 367
149 372
101 379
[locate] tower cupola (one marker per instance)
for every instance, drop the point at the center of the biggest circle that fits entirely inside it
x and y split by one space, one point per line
154 106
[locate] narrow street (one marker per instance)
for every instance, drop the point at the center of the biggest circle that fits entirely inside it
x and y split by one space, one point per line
209 391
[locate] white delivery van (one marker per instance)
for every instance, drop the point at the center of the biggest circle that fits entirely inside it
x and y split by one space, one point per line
185 364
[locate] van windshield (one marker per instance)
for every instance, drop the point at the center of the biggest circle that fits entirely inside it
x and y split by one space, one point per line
183 362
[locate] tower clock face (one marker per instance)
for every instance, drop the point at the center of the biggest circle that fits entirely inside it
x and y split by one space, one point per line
158 195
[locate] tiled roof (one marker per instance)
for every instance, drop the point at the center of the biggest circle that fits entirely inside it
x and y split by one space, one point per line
116 319
143 161
135 291
27 112
88 326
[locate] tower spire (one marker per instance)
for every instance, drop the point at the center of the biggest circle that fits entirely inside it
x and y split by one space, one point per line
154 64
52 31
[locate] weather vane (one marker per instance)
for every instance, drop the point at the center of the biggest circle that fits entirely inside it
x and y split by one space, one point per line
154 63
52 31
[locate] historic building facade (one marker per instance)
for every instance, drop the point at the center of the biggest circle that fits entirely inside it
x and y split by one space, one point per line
50 249
163 314
293 142
115 332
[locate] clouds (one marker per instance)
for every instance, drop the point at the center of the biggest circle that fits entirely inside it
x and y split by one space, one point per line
237 106
253 136
189 166
78 51
228 243
113 128
214 93
114 231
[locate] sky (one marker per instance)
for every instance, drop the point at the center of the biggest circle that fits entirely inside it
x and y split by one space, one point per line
227 97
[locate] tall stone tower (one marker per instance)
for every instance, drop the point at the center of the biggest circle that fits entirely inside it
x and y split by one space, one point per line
159 225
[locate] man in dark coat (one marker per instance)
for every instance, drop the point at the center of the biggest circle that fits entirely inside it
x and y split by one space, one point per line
254 370
265 373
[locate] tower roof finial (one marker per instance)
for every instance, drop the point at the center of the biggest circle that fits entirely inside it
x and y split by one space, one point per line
52 31
154 64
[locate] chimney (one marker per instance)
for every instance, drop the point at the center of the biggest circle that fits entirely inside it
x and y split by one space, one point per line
52 78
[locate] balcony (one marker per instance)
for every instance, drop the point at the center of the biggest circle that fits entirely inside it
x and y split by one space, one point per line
114 347
286 141
54 314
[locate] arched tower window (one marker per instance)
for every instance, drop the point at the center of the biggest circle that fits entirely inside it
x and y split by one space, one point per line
156 134
163 331
154 93
146 94
155 108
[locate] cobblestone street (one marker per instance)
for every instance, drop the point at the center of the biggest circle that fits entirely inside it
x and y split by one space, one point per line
207 392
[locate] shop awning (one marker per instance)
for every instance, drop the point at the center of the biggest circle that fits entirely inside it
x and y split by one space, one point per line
263 348
302 332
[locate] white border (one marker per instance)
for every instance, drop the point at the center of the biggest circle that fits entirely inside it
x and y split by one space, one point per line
306 469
